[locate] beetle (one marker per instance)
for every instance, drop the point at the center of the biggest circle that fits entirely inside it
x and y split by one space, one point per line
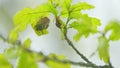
42 23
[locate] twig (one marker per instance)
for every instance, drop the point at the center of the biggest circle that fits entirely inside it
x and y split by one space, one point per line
74 63
64 61
110 65
71 44
80 54
1 37
47 58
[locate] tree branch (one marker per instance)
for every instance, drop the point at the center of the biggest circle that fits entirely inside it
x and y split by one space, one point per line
62 61
110 65
47 58
70 42
74 63
88 64
80 54
1 37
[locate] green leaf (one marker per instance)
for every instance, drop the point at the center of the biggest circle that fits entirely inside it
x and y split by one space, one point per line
55 3
27 60
53 9
81 6
4 62
66 4
13 36
64 13
84 26
103 49
40 32
27 43
75 15
95 22
12 53
21 16
75 9
114 26
77 36
29 15
59 57
55 64
47 8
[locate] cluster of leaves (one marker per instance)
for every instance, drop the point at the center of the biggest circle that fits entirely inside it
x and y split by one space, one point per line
38 18
103 48
85 25
33 16
30 59
114 26
4 62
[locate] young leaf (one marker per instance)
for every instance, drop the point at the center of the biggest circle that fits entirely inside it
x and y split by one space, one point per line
47 8
114 26
103 49
29 15
27 43
66 4
55 3
12 53
26 16
41 32
22 16
55 64
13 36
53 9
75 15
77 37
64 13
27 60
81 6
84 26
75 9
4 62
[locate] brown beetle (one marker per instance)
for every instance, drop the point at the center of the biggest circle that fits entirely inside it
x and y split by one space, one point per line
42 23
